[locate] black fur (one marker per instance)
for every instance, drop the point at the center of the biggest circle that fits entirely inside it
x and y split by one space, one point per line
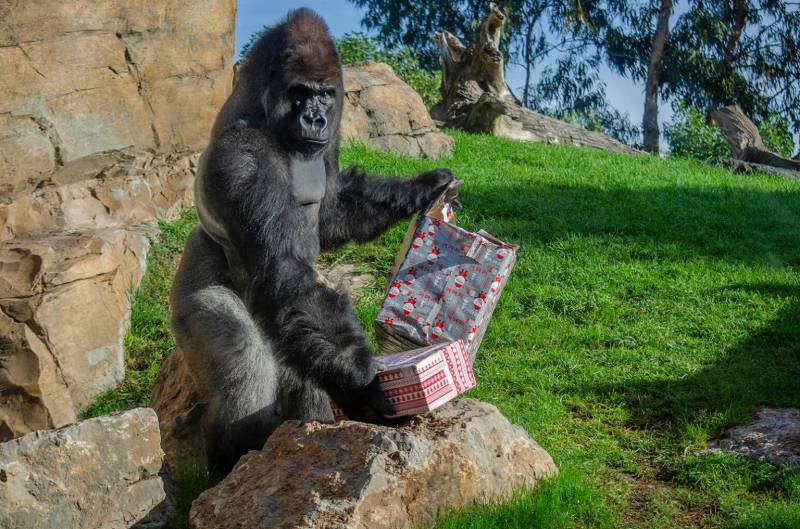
264 339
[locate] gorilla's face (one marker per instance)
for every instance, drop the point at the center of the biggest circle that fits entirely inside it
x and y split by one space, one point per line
312 104
306 110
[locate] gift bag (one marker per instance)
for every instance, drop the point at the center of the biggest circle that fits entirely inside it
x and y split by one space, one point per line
444 284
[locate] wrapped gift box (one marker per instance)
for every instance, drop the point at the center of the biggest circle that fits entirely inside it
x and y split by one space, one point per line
444 285
421 380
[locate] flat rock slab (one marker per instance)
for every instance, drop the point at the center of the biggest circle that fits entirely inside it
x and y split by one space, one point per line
101 473
773 437
357 475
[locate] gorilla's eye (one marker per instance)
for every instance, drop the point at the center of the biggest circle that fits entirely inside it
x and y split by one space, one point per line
297 94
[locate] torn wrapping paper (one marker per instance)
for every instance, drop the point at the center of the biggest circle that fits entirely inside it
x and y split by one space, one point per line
421 380
444 284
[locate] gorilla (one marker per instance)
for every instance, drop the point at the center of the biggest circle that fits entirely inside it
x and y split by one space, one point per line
263 338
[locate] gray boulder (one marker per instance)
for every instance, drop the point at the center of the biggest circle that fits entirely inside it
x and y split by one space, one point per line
773 437
101 473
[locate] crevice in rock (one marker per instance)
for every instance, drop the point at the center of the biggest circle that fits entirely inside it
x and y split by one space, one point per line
30 61
93 193
140 88
40 333
49 130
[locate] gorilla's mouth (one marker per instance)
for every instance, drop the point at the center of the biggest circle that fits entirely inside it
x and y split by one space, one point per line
315 141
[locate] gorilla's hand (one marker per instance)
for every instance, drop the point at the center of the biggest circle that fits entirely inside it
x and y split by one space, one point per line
367 404
431 184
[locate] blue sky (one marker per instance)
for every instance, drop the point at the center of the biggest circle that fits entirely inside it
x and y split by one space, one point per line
343 17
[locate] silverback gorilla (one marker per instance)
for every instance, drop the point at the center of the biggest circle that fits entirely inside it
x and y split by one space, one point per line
266 341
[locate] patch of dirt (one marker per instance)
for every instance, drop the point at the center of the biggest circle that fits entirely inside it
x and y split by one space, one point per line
647 493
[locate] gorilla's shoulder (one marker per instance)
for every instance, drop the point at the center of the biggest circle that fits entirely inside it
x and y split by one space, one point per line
245 150
241 136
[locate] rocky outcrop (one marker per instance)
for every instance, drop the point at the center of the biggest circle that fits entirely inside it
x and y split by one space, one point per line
367 476
98 474
105 106
113 189
387 114
773 437
63 313
71 253
82 78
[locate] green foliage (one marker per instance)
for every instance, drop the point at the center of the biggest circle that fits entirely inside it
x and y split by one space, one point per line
566 501
775 134
354 47
191 480
691 136
571 90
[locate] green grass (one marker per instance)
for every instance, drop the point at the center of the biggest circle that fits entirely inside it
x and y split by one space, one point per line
655 303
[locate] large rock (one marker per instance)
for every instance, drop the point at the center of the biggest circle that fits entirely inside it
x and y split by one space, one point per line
180 412
101 473
386 113
122 188
63 312
773 437
355 475
82 77
104 108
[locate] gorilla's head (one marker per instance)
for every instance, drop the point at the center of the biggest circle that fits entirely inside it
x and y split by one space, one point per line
297 74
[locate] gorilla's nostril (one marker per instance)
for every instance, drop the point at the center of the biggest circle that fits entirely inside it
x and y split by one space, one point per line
320 123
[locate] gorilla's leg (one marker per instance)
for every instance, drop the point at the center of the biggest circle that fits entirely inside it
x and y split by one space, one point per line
229 356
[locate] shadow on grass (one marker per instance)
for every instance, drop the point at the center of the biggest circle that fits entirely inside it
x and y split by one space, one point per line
740 225
761 370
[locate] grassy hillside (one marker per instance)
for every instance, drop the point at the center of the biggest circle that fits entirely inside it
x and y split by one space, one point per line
655 304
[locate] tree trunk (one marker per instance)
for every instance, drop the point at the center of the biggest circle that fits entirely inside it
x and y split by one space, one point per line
475 96
528 52
469 72
650 119
739 17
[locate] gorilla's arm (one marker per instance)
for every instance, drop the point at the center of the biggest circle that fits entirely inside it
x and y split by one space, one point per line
359 207
317 333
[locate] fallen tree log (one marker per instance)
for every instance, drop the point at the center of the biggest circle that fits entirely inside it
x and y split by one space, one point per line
746 144
509 120
476 98
750 167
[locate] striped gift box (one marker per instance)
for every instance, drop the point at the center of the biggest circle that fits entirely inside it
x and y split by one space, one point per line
421 380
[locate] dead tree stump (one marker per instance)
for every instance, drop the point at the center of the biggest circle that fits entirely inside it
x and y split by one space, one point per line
747 147
476 98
